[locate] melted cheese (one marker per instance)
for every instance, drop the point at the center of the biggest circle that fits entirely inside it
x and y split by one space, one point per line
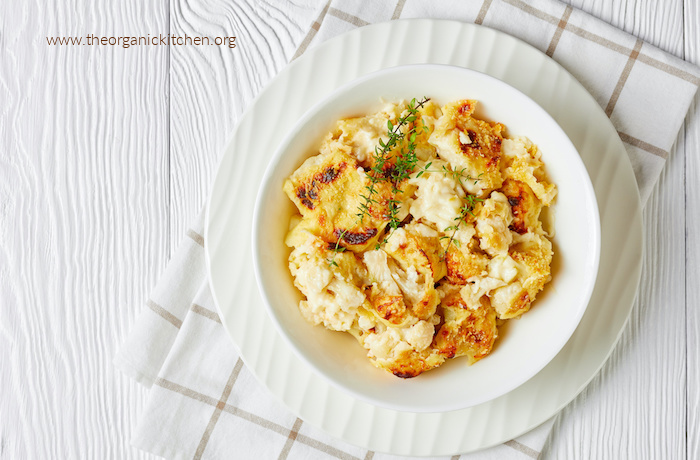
492 225
438 197
433 288
332 296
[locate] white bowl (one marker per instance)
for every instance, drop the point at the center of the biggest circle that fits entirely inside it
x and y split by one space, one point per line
524 346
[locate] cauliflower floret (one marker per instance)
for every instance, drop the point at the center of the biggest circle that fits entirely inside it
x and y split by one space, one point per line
438 198
532 255
416 267
478 287
389 343
335 307
384 294
386 345
332 298
492 224
405 352
420 335
472 146
468 329
379 275
524 164
365 323
503 267
463 256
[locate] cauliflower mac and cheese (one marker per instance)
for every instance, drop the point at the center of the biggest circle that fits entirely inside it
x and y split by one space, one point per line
419 233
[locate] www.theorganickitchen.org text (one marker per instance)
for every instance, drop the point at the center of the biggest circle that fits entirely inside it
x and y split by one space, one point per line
152 40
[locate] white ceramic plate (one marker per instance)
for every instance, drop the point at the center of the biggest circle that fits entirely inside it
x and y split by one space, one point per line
315 75
524 346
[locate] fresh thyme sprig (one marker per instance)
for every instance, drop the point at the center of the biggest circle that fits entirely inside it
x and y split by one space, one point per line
402 168
457 174
336 249
383 170
467 208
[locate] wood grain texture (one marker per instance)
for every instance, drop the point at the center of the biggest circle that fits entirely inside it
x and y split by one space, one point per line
83 221
692 224
107 154
211 86
658 22
635 408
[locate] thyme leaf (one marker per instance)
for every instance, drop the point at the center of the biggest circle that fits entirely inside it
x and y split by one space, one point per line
466 209
401 147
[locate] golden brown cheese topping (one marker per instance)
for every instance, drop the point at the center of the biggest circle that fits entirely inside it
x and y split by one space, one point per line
327 190
470 144
420 248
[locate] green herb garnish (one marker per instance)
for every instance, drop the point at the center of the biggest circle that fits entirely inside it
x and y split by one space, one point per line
467 208
394 173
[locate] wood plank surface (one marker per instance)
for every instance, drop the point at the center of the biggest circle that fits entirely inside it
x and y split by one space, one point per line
692 226
658 22
635 408
212 86
83 221
107 154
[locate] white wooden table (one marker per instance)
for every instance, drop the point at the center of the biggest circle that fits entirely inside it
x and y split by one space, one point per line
107 153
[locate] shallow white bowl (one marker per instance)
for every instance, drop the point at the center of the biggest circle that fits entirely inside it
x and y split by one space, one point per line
525 345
